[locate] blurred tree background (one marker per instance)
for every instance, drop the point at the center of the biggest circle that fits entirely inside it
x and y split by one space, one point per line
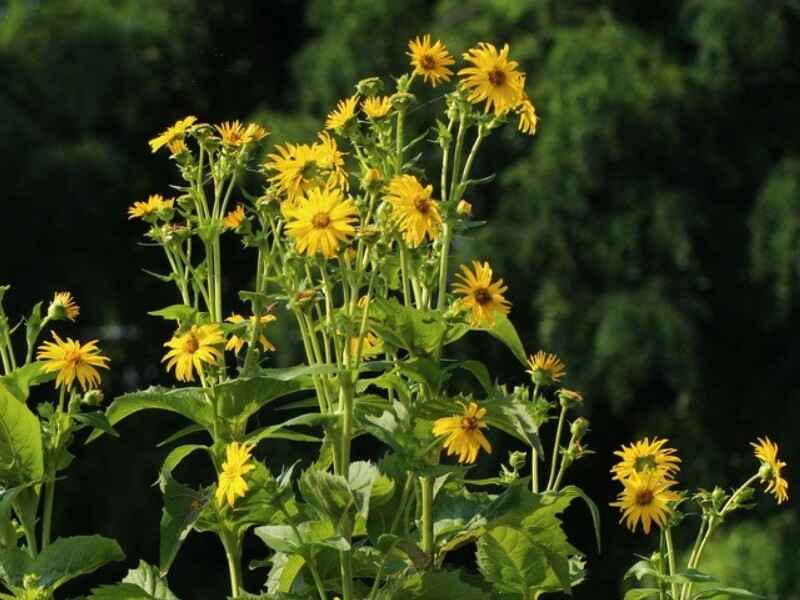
649 232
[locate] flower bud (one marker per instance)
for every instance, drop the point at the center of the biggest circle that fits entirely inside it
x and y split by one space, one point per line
464 208
93 398
371 86
517 460
579 428
569 398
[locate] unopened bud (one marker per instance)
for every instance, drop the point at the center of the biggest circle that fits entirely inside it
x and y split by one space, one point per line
579 428
371 86
569 398
93 398
464 208
517 460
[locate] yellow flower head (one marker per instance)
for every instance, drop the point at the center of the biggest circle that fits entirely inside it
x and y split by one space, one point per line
234 218
231 483
63 306
344 113
371 345
235 134
300 167
464 435
177 146
73 361
528 120
376 107
767 452
430 61
546 369
190 350
480 296
646 456
236 343
172 134
493 78
645 498
155 203
321 221
416 213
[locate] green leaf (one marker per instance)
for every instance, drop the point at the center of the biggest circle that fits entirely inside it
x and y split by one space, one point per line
504 331
299 372
21 454
176 312
285 569
571 492
19 381
513 418
640 570
512 560
285 538
725 592
419 331
96 420
481 373
280 431
190 402
183 506
142 583
176 456
240 398
70 557
691 576
437 585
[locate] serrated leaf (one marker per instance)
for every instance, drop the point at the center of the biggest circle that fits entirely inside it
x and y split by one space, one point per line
511 560
70 557
285 569
240 398
142 583
21 453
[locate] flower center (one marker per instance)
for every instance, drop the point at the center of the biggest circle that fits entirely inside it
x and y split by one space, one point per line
72 358
428 62
482 296
321 220
422 204
497 77
469 423
191 345
644 497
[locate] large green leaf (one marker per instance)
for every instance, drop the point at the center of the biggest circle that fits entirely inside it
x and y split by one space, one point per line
61 561
240 398
285 569
19 381
21 455
182 508
724 592
141 583
421 332
302 538
512 561
192 403
437 585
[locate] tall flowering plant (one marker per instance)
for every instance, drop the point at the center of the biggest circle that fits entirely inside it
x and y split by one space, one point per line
351 239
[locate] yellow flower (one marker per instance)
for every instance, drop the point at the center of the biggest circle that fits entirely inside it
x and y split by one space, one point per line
63 307
646 456
416 213
430 61
73 361
464 435
527 116
154 204
767 452
172 134
645 498
190 350
464 208
234 218
236 134
236 343
376 107
493 78
482 297
344 113
371 345
300 167
546 369
231 483
321 221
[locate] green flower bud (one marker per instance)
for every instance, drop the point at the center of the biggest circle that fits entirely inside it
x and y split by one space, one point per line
517 460
93 398
371 86
569 398
579 428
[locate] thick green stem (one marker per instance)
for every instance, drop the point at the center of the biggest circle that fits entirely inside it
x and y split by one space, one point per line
447 234
49 496
346 569
556 446
233 554
534 471
312 566
426 485
671 560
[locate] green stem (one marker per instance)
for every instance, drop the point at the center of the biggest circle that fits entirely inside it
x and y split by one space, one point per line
534 471
312 566
401 116
426 485
556 445
29 527
671 559
662 593
447 234
346 569
233 555
50 482
409 485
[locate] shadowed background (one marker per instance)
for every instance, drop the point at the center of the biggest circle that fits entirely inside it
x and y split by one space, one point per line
649 233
